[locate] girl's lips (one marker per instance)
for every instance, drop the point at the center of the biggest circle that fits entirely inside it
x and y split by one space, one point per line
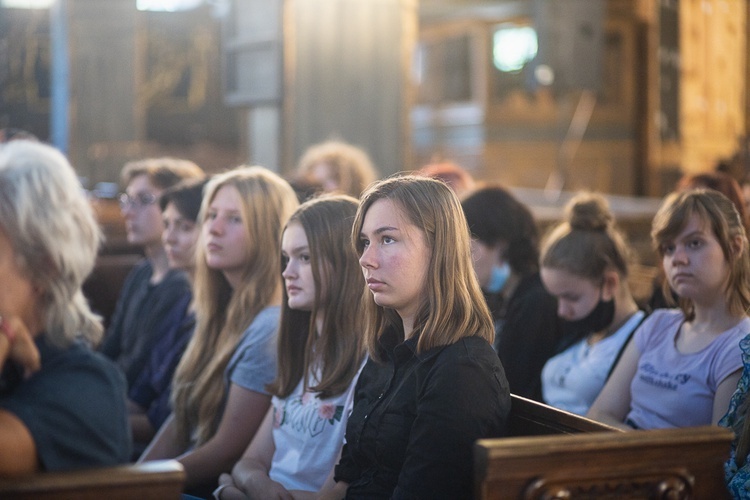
374 285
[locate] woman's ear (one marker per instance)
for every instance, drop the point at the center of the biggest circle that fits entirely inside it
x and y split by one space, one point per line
737 246
610 284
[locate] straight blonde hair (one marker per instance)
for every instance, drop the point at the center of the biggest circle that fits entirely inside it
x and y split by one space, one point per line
454 307
223 314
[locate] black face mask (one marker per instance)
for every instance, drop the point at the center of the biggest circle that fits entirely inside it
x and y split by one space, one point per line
597 320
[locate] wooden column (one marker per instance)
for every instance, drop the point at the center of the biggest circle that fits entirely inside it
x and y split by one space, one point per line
105 109
346 76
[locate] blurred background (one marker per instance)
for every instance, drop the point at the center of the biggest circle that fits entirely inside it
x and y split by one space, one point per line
618 96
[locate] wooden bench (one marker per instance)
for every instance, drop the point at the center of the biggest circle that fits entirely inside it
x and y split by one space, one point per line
158 480
586 459
530 418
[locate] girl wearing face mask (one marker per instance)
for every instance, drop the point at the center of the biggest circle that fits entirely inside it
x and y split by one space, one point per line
584 264
505 254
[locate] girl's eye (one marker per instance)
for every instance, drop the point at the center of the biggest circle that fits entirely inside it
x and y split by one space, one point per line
186 227
304 257
211 215
667 248
235 219
365 243
388 240
694 243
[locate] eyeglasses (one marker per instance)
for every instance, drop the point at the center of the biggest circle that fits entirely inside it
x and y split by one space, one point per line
138 201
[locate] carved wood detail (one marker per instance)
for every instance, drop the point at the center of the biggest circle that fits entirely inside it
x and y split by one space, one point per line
663 485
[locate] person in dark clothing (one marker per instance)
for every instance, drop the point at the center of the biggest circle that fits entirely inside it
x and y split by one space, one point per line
152 289
433 385
505 253
149 397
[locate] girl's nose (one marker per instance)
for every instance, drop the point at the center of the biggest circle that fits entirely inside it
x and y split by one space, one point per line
679 256
215 226
367 259
168 236
288 272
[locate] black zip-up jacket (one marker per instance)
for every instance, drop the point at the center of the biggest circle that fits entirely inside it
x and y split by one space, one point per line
417 416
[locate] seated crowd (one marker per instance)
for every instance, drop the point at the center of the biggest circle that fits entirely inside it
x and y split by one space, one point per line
334 336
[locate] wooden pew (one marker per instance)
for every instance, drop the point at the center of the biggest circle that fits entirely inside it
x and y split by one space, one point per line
530 418
587 459
158 480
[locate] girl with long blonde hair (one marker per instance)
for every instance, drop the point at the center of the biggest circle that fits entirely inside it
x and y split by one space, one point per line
219 394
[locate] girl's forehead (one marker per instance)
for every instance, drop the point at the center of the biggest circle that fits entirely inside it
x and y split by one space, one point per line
695 222
689 222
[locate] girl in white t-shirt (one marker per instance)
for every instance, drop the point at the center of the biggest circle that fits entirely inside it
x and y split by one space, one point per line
584 265
683 365
320 354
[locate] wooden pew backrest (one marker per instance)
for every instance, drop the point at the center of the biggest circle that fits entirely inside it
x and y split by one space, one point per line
669 463
530 418
158 480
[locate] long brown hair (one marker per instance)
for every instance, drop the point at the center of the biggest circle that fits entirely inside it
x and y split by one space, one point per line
338 349
454 307
720 214
721 182
224 314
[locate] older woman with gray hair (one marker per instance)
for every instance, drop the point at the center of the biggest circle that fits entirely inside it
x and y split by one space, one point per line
62 406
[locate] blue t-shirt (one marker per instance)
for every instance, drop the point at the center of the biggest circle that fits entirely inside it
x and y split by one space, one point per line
253 364
74 408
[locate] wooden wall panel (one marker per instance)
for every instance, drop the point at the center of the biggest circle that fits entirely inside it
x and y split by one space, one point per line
104 79
713 57
346 76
